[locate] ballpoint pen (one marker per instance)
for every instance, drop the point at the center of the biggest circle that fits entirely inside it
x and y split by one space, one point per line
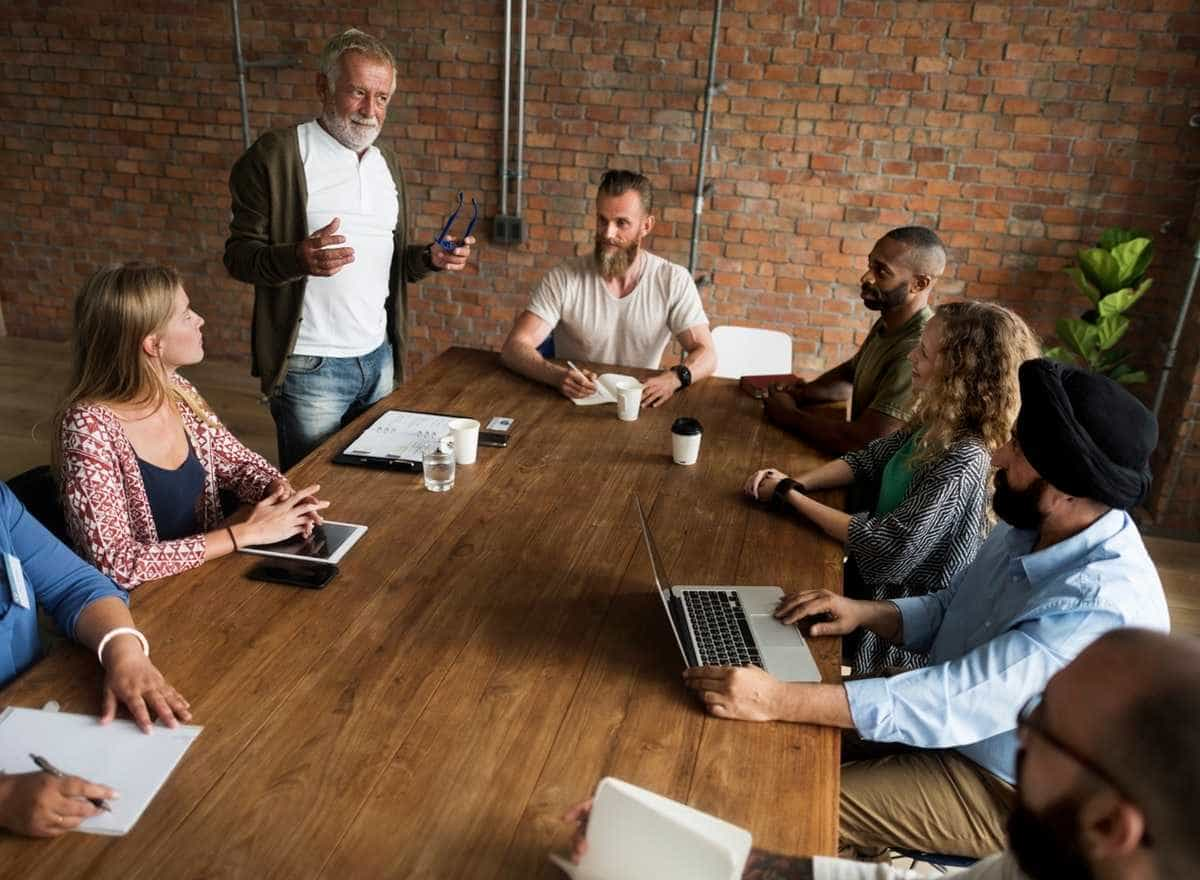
47 767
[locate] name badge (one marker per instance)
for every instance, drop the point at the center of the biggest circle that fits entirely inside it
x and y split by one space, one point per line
16 581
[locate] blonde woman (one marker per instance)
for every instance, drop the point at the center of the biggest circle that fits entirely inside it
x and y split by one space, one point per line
930 516
139 456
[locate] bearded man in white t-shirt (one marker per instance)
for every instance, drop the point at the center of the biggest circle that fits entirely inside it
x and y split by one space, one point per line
319 227
619 305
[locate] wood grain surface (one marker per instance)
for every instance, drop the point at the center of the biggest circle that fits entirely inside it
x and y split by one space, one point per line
484 657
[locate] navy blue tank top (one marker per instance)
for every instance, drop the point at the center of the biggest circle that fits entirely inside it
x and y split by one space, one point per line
173 495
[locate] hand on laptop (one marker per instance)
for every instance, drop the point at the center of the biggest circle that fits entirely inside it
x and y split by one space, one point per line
825 613
746 693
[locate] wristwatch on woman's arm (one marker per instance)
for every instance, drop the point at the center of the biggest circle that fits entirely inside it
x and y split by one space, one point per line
684 374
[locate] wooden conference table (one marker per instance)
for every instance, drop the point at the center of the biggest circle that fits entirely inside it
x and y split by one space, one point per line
485 656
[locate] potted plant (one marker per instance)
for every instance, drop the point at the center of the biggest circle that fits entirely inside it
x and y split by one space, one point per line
1112 276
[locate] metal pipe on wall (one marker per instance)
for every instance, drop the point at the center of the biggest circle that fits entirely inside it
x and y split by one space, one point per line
241 73
1173 348
521 109
709 92
507 102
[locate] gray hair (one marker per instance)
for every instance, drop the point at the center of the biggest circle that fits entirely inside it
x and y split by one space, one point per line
353 40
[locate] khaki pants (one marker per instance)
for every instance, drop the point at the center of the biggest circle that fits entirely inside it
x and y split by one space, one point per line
929 800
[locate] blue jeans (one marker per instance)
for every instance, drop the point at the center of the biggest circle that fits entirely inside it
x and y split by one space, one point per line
321 395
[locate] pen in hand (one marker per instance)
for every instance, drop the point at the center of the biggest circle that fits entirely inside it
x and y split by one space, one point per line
47 767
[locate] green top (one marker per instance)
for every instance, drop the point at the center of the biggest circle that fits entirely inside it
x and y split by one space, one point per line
896 477
882 373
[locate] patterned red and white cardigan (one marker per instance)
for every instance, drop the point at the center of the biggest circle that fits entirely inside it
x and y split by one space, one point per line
104 498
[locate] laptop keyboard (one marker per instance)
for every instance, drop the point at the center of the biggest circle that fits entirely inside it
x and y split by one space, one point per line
722 633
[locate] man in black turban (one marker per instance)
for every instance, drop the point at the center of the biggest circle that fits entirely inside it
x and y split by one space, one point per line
1081 446
1065 566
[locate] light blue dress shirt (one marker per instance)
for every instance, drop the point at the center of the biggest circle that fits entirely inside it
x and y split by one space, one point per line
995 637
54 577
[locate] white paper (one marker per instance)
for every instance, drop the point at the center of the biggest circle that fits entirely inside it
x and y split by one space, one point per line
607 385
117 754
401 435
635 833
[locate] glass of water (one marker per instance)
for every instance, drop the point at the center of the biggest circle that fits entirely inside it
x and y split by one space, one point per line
439 467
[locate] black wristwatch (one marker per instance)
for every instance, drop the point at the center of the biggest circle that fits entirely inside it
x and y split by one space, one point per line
684 374
782 489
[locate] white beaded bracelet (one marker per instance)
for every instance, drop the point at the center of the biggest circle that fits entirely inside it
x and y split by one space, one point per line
122 631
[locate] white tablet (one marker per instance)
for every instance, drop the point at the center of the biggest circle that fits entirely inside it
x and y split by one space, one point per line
328 543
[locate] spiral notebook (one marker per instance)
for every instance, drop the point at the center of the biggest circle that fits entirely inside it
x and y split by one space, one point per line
116 754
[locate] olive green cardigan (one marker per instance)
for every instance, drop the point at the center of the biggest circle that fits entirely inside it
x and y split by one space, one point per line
270 196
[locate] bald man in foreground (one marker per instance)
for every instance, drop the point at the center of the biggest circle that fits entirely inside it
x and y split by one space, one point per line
1108 775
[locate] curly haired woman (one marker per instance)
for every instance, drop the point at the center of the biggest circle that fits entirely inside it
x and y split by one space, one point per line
930 516
139 455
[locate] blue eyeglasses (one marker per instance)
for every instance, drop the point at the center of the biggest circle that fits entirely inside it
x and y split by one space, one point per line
444 239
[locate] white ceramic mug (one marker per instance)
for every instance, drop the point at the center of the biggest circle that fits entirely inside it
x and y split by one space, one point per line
466 439
629 400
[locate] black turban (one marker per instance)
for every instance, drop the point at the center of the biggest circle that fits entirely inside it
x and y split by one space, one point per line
1085 434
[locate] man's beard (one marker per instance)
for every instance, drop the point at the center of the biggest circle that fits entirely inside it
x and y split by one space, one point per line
1018 507
1046 846
353 132
615 263
879 300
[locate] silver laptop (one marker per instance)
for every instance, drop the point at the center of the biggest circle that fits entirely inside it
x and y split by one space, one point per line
730 626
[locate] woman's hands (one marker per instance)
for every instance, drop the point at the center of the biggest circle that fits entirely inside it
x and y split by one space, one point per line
284 512
133 681
761 484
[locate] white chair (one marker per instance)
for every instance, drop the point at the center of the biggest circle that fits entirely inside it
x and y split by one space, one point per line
750 351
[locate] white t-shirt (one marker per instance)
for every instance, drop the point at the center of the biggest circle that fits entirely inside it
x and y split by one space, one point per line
1001 866
344 314
592 325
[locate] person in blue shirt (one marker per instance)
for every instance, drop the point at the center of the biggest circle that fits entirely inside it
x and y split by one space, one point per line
1066 565
38 569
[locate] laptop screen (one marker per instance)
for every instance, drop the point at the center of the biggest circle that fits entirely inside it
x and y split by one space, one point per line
660 576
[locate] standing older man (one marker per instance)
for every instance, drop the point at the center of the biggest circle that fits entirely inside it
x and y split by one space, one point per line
620 304
319 228
1067 565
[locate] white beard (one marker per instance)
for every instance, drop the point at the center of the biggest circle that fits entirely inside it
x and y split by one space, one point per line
353 132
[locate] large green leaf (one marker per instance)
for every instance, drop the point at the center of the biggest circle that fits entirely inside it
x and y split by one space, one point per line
1110 330
1062 355
1079 336
1116 235
1135 377
1101 269
1120 301
1081 281
1110 360
1133 257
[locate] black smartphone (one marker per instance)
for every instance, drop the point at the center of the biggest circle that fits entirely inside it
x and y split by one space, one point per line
310 575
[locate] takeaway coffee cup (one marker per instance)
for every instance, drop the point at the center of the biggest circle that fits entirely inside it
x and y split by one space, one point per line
629 400
466 439
685 440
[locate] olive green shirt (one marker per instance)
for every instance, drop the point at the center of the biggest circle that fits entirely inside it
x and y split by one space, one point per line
882 372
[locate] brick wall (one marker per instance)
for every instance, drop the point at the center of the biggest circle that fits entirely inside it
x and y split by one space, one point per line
1018 130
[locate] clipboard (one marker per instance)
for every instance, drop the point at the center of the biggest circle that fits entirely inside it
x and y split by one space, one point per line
396 440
